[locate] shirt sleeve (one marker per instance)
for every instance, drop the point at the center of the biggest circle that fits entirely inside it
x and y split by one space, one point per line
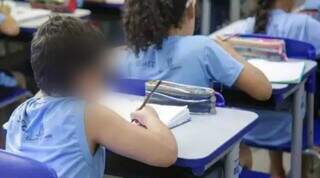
313 33
220 65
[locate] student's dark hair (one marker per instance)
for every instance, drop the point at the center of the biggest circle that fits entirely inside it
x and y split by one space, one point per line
147 22
263 10
61 49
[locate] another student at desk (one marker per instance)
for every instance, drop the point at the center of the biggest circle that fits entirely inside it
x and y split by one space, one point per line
312 7
275 18
66 128
160 35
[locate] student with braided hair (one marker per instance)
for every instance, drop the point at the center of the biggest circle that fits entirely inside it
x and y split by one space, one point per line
275 18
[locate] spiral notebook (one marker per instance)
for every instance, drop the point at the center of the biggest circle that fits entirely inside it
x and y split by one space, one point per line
280 72
172 116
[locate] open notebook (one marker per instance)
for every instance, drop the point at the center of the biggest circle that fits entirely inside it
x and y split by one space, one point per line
280 72
172 116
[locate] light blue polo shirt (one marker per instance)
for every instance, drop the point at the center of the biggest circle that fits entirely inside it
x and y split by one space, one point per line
52 130
290 25
311 4
193 60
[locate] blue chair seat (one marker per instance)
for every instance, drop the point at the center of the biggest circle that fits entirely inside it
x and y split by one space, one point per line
9 95
12 166
252 174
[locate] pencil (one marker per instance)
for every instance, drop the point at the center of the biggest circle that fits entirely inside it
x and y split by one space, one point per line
230 37
146 100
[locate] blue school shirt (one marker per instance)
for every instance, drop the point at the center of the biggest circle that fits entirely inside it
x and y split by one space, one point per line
311 4
52 130
290 25
274 127
193 60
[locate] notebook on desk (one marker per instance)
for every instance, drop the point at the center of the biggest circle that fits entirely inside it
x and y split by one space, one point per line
172 116
280 72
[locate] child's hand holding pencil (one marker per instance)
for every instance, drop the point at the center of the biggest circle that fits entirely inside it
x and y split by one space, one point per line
143 107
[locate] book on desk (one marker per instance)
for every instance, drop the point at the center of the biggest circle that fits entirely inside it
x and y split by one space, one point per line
124 105
280 72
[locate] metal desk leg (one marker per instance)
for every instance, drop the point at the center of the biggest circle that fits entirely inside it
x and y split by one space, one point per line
232 163
310 119
206 17
297 127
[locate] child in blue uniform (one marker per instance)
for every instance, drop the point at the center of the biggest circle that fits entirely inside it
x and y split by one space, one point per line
160 36
66 128
274 18
312 7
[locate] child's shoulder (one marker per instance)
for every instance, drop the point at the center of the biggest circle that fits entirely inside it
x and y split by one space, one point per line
198 42
48 104
197 39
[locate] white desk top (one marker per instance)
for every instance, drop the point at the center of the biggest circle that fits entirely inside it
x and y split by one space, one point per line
234 28
203 135
34 23
309 65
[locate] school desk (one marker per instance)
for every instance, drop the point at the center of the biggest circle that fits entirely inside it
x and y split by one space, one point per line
28 27
206 139
283 92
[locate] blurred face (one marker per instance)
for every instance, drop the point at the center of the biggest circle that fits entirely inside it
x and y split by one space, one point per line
90 83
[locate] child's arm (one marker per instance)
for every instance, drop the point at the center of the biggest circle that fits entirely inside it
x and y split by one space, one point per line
8 26
155 145
251 80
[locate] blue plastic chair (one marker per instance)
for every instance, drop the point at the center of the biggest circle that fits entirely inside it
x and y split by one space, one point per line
9 95
13 166
299 50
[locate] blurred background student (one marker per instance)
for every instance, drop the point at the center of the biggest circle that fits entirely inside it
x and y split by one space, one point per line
8 27
275 18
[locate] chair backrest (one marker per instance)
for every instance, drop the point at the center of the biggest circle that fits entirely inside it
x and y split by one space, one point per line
294 48
13 166
9 95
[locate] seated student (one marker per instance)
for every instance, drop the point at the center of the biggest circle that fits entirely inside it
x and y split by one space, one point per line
160 35
65 128
312 8
8 25
312 4
274 18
